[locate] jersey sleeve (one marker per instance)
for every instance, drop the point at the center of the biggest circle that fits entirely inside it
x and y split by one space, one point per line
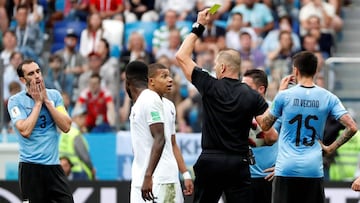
201 80
59 102
337 109
262 105
277 105
154 110
16 110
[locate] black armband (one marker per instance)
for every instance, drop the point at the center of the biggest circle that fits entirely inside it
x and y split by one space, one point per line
198 29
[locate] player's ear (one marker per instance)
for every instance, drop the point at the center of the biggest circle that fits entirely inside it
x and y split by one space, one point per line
22 80
151 81
295 71
262 89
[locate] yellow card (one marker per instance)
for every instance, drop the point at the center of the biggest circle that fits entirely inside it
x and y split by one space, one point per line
214 8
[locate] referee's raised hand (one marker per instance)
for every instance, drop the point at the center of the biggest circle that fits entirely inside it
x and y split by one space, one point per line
203 17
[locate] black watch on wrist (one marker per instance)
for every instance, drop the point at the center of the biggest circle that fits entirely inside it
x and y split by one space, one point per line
196 25
197 29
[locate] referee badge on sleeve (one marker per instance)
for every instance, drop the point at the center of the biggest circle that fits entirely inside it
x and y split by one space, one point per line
15 112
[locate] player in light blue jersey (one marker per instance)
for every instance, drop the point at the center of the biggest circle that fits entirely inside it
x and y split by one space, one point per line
36 113
265 155
304 109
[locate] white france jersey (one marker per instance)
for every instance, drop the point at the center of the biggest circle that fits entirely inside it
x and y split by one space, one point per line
147 110
167 170
304 112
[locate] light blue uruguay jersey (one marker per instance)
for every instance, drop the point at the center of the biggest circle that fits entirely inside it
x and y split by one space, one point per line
265 157
303 114
42 145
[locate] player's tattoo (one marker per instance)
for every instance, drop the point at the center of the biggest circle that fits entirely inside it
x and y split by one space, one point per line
344 137
345 120
268 121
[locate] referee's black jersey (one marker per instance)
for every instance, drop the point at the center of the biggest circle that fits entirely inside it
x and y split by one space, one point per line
228 109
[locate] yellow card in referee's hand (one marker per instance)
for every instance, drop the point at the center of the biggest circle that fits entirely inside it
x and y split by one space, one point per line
214 8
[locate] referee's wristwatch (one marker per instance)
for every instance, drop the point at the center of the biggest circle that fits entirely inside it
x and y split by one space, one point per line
196 25
197 29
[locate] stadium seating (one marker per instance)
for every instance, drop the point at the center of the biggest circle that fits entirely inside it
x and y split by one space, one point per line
60 5
60 30
77 26
56 46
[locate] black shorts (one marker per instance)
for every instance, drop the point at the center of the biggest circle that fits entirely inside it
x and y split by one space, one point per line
261 190
43 183
218 173
298 190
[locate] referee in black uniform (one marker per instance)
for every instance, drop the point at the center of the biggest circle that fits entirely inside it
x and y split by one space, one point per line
228 109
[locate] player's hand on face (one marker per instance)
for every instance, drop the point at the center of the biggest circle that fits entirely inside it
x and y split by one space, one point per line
189 187
290 79
271 175
43 90
34 91
146 189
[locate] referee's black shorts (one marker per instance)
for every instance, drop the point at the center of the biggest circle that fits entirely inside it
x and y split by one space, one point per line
219 172
261 190
43 183
298 190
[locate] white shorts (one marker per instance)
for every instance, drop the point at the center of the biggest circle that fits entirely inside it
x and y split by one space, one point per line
163 193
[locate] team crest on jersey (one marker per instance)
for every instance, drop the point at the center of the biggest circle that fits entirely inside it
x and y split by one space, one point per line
15 112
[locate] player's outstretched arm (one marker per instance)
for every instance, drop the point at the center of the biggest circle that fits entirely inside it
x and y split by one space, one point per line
183 56
266 121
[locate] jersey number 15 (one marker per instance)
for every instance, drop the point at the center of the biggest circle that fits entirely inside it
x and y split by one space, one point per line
298 119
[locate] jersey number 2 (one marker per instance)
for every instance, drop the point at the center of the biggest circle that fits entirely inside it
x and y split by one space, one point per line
298 119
